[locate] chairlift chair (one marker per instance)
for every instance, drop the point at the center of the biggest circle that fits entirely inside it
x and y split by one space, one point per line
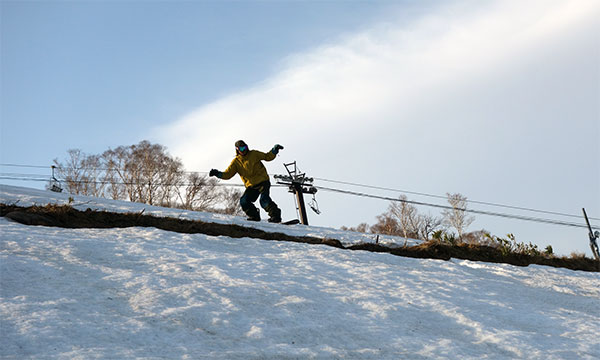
54 183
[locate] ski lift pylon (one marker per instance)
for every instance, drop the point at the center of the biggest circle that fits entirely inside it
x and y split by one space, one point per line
299 185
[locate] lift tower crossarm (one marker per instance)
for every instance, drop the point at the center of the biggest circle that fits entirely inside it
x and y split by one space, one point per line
298 184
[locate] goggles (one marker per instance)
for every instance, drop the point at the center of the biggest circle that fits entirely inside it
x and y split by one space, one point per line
242 148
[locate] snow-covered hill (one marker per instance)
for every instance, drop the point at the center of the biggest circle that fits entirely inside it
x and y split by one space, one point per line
147 293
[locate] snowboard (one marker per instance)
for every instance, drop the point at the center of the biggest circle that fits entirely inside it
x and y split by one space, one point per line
291 222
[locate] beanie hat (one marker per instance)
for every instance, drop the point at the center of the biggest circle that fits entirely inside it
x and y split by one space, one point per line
240 143
241 147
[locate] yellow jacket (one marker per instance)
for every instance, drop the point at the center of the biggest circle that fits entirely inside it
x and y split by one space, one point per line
249 167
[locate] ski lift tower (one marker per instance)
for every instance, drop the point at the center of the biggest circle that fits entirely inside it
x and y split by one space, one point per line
299 185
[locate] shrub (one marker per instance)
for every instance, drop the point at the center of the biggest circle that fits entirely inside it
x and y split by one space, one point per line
443 237
577 255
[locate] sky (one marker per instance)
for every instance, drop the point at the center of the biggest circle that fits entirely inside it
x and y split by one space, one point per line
496 100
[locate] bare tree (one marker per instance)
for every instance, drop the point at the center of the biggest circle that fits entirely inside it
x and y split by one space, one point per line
479 237
362 227
93 180
194 184
386 224
114 161
199 193
456 217
429 224
145 172
171 178
146 162
82 174
406 216
403 219
122 180
72 171
230 199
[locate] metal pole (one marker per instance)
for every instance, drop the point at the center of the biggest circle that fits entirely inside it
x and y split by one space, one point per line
301 206
588 223
593 236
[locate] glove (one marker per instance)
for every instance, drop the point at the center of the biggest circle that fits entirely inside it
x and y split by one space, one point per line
215 172
276 149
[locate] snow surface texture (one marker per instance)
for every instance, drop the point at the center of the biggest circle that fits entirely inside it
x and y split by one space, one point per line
147 293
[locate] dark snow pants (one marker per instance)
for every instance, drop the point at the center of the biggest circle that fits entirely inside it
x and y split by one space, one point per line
251 195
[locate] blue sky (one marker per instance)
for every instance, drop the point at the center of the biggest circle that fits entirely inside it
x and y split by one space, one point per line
497 100
94 67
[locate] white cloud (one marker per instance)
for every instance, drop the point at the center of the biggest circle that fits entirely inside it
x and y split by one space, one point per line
363 106
371 77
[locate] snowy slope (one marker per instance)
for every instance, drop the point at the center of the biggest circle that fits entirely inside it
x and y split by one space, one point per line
147 293
28 197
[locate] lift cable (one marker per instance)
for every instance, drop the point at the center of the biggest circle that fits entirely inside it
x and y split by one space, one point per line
481 212
445 197
36 177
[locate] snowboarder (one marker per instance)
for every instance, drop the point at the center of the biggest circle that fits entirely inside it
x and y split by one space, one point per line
247 163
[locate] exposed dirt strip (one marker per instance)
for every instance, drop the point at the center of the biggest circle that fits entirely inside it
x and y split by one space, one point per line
67 217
